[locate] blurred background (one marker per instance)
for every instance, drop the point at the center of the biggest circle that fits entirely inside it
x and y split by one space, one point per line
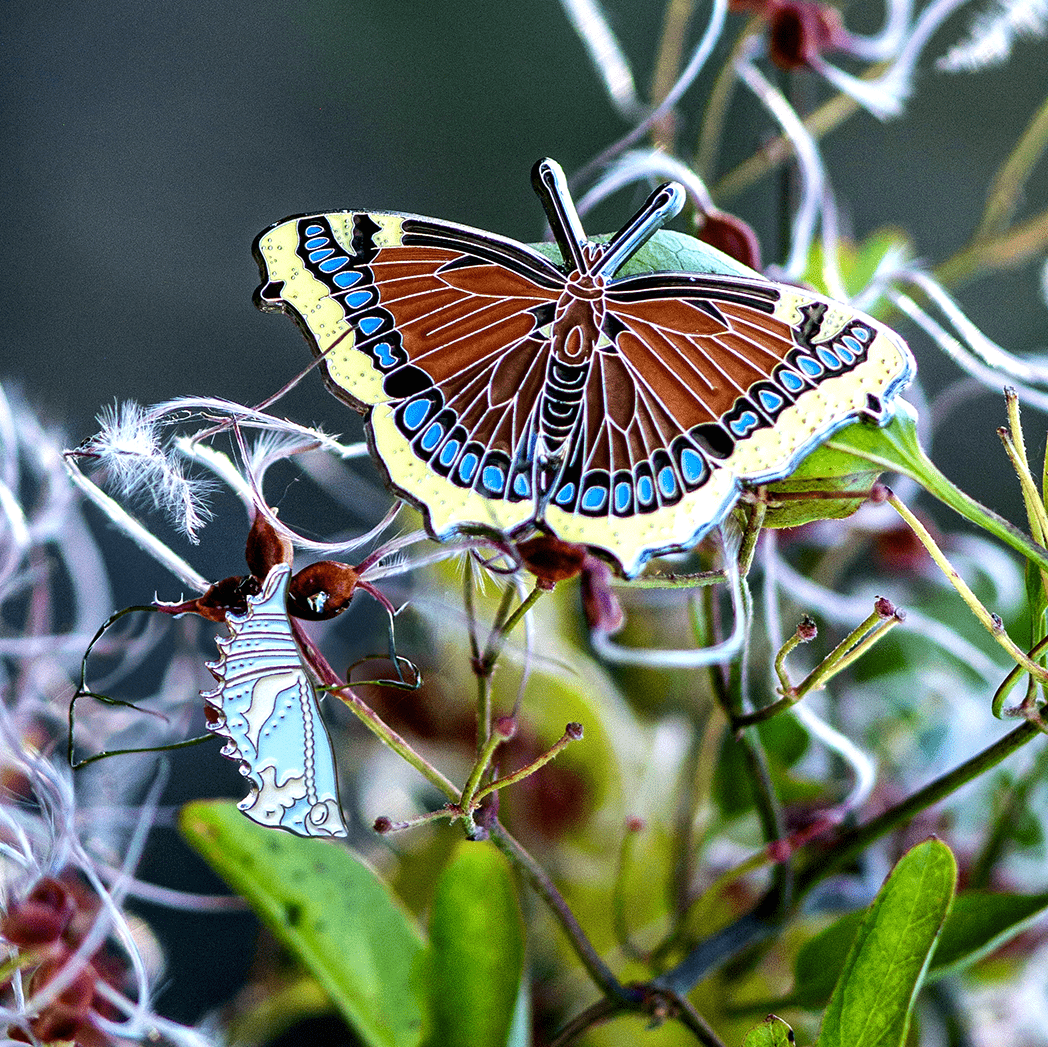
145 145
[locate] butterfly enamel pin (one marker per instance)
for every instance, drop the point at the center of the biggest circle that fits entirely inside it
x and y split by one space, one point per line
507 393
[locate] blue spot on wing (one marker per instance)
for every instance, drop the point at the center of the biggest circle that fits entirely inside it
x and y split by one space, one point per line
319 256
432 436
415 414
853 345
370 324
316 241
314 230
623 494
468 467
493 478
384 353
769 401
449 452
828 357
345 280
692 465
746 422
594 498
667 482
332 265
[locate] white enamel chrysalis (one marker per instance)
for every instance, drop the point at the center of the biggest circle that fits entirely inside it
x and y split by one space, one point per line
268 711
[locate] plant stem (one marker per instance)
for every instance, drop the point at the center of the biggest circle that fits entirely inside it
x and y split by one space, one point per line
573 733
901 453
598 970
990 621
822 864
371 720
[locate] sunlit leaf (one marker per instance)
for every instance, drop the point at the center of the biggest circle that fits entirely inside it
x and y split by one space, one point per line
772 1032
476 952
667 251
858 263
885 966
330 910
978 923
896 448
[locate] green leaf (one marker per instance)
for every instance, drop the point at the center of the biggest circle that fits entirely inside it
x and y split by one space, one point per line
784 742
668 252
772 1032
978 923
895 448
329 909
858 263
873 998
476 951
820 961
824 494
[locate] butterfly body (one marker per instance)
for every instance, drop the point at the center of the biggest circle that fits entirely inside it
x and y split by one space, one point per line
505 393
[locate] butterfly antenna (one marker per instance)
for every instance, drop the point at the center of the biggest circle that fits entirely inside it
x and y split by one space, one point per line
547 176
659 208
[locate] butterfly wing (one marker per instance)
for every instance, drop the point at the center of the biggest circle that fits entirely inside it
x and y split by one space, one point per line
700 383
431 329
714 382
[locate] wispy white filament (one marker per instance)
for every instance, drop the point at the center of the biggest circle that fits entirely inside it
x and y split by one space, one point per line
606 54
717 654
994 32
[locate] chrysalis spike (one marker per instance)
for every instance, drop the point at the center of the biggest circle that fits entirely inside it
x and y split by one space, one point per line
551 185
659 208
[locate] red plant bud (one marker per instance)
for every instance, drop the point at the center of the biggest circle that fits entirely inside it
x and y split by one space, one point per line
550 560
884 607
506 727
265 547
78 994
733 236
800 30
322 590
226 597
899 549
382 824
807 630
599 602
574 731
41 918
634 824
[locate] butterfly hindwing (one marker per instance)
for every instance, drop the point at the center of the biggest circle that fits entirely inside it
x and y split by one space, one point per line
504 392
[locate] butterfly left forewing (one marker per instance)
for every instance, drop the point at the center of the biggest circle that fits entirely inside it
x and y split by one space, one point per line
431 329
